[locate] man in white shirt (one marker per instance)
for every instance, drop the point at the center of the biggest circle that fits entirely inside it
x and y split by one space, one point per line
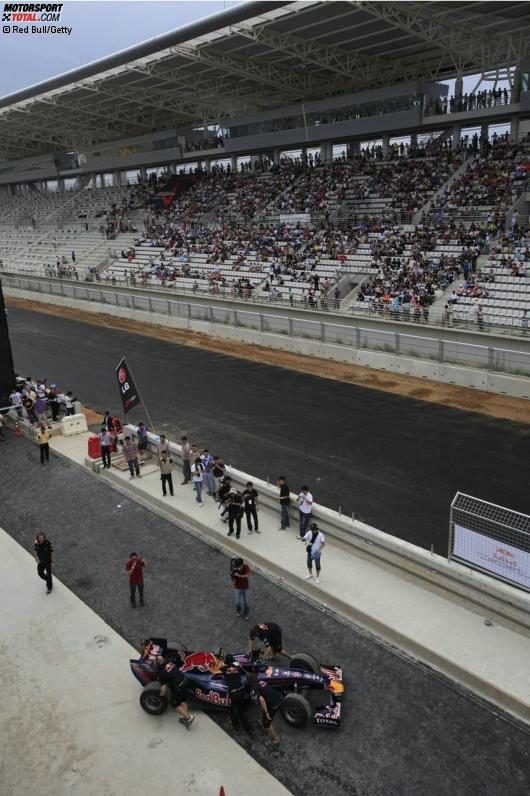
305 506
16 400
314 541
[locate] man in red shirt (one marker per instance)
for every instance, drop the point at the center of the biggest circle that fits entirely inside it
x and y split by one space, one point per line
134 569
240 573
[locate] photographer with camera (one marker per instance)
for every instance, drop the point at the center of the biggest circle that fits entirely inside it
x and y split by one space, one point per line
240 574
235 513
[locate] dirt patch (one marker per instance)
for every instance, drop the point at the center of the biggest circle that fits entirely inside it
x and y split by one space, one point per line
465 398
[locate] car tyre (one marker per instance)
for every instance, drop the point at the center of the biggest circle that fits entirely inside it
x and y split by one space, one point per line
296 710
152 700
301 660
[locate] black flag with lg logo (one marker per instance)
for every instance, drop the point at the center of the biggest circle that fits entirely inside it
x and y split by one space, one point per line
129 394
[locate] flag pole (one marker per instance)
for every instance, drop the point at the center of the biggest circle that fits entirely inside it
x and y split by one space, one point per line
140 395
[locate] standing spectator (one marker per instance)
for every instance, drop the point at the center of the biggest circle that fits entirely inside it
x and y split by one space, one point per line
29 406
224 495
15 400
45 558
218 471
305 506
73 257
166 467
235 514
106 442
240 573
250 501
141 432
107 421
40 410
69 401
130 451
43 438
269 700
135 570
285 500
54 402
197 474
162 446
186 468
315 542
207 461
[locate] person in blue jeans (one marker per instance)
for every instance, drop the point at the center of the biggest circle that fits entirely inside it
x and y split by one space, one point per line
240 573
197 476
305 507
284 499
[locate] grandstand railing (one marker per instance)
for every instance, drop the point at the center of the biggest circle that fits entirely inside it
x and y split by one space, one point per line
434 349
460 317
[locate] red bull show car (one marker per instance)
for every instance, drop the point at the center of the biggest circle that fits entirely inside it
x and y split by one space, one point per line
206 687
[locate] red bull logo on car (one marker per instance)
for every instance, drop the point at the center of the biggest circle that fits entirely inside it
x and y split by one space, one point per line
202 661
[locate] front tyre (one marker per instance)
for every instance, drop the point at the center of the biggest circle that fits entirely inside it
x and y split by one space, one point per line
305 662
296 710
152 700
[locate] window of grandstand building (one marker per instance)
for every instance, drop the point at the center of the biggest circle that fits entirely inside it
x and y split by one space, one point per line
221 163
52 186
69 183
130 177
498 129
370 144
242 161
291 154
339 151
400 144
423 139
106 180
313 152
187 168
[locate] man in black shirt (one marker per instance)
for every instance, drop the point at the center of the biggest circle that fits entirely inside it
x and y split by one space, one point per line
250 500
269 700
270 634
233 676
173 687
285 499
44 557
223 495
235 514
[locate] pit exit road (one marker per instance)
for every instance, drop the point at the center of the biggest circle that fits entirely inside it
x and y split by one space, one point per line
405 731
393 461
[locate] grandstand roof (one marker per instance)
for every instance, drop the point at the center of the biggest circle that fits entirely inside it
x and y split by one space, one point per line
257 56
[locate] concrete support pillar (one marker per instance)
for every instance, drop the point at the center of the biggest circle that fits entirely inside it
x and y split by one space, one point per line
386 144
60 185
172 167
116 179
514 129
414 140
233 162
484 131
94 181
457 132
516 86
276 157
143 172
459 86
207 165
326 152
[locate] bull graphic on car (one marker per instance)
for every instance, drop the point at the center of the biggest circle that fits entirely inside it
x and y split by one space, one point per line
206 687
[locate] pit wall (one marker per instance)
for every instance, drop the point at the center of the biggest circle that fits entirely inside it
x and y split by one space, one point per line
480 379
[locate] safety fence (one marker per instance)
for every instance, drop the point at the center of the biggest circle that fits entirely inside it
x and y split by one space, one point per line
434 349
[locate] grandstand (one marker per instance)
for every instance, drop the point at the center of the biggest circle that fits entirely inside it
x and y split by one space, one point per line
332 166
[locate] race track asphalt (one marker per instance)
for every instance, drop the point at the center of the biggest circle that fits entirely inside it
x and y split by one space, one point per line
405 732
393 461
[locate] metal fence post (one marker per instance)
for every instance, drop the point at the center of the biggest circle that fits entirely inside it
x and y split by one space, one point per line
236 324
150 304
322 331
291 327
441 351
210 313
490 358
397 342
188 305
168 307
261 322
357 337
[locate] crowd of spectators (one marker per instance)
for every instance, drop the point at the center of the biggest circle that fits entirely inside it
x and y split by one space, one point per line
204 143
474 100
495 178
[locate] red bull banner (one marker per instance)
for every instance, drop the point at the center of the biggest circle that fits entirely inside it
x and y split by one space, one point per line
130 397
492 555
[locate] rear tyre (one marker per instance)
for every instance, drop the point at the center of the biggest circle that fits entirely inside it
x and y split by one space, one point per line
301 660
152 700
296 710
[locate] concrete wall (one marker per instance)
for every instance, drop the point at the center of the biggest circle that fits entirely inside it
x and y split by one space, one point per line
451 374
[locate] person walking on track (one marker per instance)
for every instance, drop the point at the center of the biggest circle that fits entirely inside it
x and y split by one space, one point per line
44 556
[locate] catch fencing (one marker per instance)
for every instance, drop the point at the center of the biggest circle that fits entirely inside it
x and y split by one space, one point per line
420 346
